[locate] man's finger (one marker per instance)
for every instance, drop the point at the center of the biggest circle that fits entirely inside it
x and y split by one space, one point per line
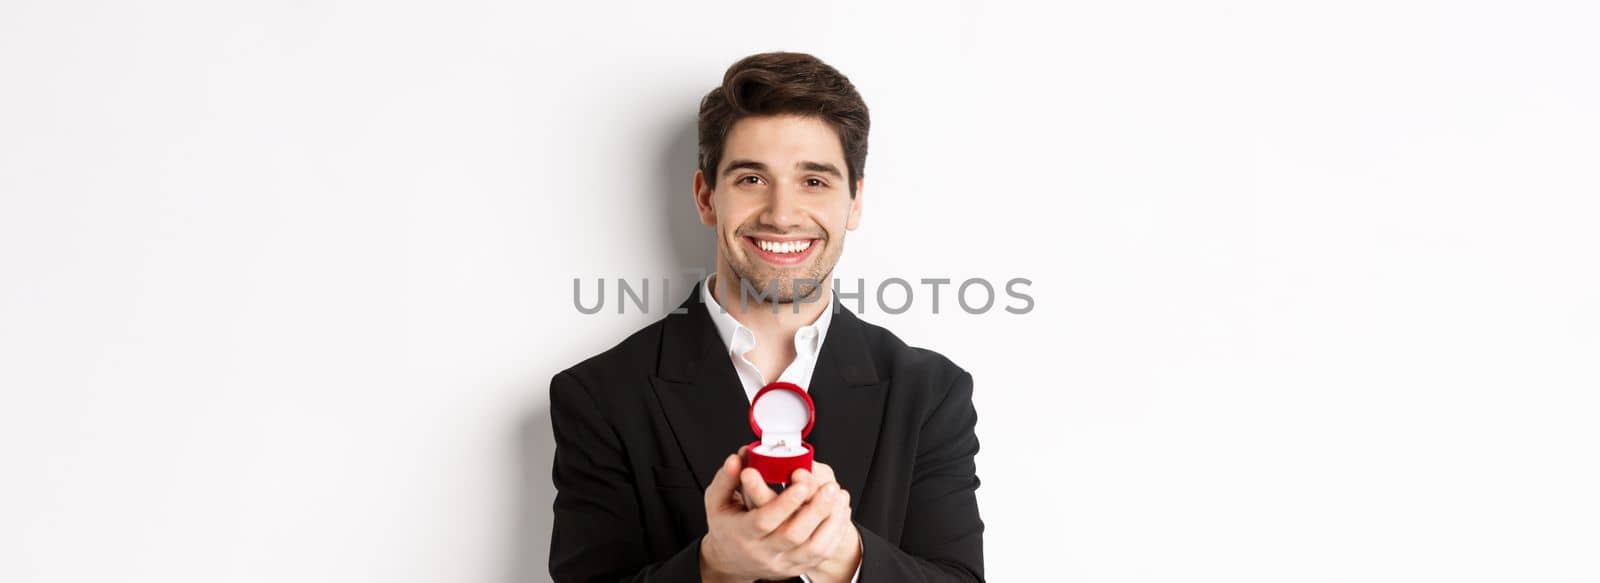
800 526
720 491
773 514
756 492
828 533
822 473
802 475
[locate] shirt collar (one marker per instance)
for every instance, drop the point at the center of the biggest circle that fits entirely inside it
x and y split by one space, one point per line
738 339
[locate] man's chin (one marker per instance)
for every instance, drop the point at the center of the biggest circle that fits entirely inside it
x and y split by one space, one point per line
778 288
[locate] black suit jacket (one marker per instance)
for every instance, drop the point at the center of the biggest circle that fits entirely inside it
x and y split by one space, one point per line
641 428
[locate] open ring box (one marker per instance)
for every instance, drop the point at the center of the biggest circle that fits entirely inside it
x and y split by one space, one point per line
781 414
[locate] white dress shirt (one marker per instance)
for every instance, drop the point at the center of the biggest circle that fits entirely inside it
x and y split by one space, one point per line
741 340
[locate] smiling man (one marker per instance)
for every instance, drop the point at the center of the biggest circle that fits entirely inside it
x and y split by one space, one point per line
649 464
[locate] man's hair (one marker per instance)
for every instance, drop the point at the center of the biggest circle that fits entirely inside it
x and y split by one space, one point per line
784 83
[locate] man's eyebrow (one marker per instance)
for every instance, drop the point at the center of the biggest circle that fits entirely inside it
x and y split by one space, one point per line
822 167
806 165
742 163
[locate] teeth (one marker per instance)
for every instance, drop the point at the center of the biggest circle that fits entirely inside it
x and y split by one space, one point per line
783 246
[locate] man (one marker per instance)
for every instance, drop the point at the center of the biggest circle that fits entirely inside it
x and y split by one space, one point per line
651 483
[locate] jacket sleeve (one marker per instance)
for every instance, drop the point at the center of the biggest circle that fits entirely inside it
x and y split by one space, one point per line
597 534
943 535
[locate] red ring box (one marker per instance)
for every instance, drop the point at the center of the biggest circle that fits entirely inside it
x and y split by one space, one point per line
781 414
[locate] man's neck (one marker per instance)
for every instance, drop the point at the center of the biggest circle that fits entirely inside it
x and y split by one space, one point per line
759 315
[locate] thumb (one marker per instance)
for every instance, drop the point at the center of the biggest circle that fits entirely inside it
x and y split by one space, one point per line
720 492
756 492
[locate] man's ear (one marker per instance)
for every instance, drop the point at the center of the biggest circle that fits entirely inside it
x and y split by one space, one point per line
702 199
855 205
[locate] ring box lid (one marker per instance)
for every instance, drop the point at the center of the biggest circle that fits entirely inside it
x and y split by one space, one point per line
782 411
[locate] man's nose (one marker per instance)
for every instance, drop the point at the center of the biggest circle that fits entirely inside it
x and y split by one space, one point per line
783 207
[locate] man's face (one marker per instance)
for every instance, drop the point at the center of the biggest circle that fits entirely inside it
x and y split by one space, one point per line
780 203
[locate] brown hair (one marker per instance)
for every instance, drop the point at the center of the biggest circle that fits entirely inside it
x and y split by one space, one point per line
784 83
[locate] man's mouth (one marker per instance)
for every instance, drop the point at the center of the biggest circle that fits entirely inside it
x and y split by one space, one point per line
782 251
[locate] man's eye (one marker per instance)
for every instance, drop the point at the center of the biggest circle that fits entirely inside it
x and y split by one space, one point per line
815 182
745 178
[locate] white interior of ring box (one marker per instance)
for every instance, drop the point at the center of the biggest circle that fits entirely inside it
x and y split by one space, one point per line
782 415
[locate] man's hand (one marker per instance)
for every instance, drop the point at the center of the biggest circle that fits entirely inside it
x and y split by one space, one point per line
839 558
755 493
758 533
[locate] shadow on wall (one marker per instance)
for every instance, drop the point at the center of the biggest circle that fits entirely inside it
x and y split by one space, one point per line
691 246
536 453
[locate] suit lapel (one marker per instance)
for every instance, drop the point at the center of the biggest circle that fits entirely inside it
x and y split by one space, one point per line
849 398
700 393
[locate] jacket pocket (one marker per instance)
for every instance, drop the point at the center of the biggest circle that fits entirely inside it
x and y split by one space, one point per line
678 503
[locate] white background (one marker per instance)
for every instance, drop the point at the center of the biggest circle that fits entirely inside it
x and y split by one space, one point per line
284 283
